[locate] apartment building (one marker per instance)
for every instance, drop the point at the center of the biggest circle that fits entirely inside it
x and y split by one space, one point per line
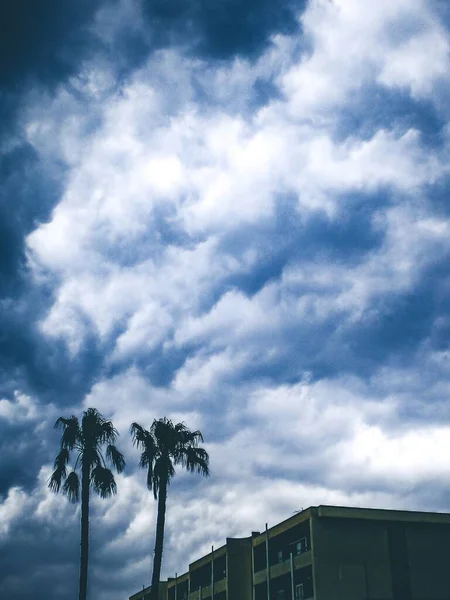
282 560
144 594
219 575
327 553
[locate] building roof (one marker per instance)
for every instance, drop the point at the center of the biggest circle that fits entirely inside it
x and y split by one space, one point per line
353 512
381 514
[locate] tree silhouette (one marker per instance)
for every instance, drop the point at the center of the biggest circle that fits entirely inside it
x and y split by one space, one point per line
163 447
87 441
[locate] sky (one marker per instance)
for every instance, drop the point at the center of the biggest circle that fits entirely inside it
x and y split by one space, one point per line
235 216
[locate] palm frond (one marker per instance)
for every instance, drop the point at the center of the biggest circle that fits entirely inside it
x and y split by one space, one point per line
71 431
185 436
56 478
139 435
103 482
196 437
146 461
115 457
61 460
196 460
71 487
108 433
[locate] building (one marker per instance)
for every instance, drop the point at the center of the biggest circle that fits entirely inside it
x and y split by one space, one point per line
328 553
145 593
221 574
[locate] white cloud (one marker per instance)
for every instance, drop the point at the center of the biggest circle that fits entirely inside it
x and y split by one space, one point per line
213 172
22 408
419 63
352 45
12 508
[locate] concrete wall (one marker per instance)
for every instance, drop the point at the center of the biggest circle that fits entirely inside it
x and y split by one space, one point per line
380 560
350 560
428 550
239 568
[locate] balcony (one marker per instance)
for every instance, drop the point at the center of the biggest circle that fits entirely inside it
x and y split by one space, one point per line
205 591
283 567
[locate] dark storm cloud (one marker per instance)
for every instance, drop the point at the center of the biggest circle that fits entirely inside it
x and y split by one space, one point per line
27 195
222 30
21 442
46 565
31 362
40 44
43 41
49 563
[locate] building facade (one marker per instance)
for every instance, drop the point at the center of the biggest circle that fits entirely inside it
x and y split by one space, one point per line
327 553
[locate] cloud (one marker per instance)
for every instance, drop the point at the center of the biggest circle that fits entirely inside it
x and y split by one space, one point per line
171 223
247 233
11 509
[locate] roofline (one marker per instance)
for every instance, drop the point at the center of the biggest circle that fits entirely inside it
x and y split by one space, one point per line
221 551
354 512
145 591
381 514
298 517
172 581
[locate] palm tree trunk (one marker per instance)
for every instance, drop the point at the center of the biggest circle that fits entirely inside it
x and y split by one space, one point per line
159 542
84 543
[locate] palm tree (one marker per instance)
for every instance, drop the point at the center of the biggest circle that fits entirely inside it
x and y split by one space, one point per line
163 447
87 440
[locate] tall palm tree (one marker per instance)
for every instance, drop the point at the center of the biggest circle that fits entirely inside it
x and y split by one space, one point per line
87 441
163 447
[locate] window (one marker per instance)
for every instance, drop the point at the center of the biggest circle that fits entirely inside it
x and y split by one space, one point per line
299 592
301 546
279 595
280 556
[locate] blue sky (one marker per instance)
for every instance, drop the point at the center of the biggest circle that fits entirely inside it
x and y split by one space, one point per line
237 217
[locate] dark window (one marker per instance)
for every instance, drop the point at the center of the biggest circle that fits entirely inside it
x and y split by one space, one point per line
299 546
295 540
182 591
260 591
303 583
220 568
280 587
259 557
200 577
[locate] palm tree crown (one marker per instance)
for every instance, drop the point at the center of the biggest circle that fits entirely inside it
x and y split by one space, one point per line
166 445
87 440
